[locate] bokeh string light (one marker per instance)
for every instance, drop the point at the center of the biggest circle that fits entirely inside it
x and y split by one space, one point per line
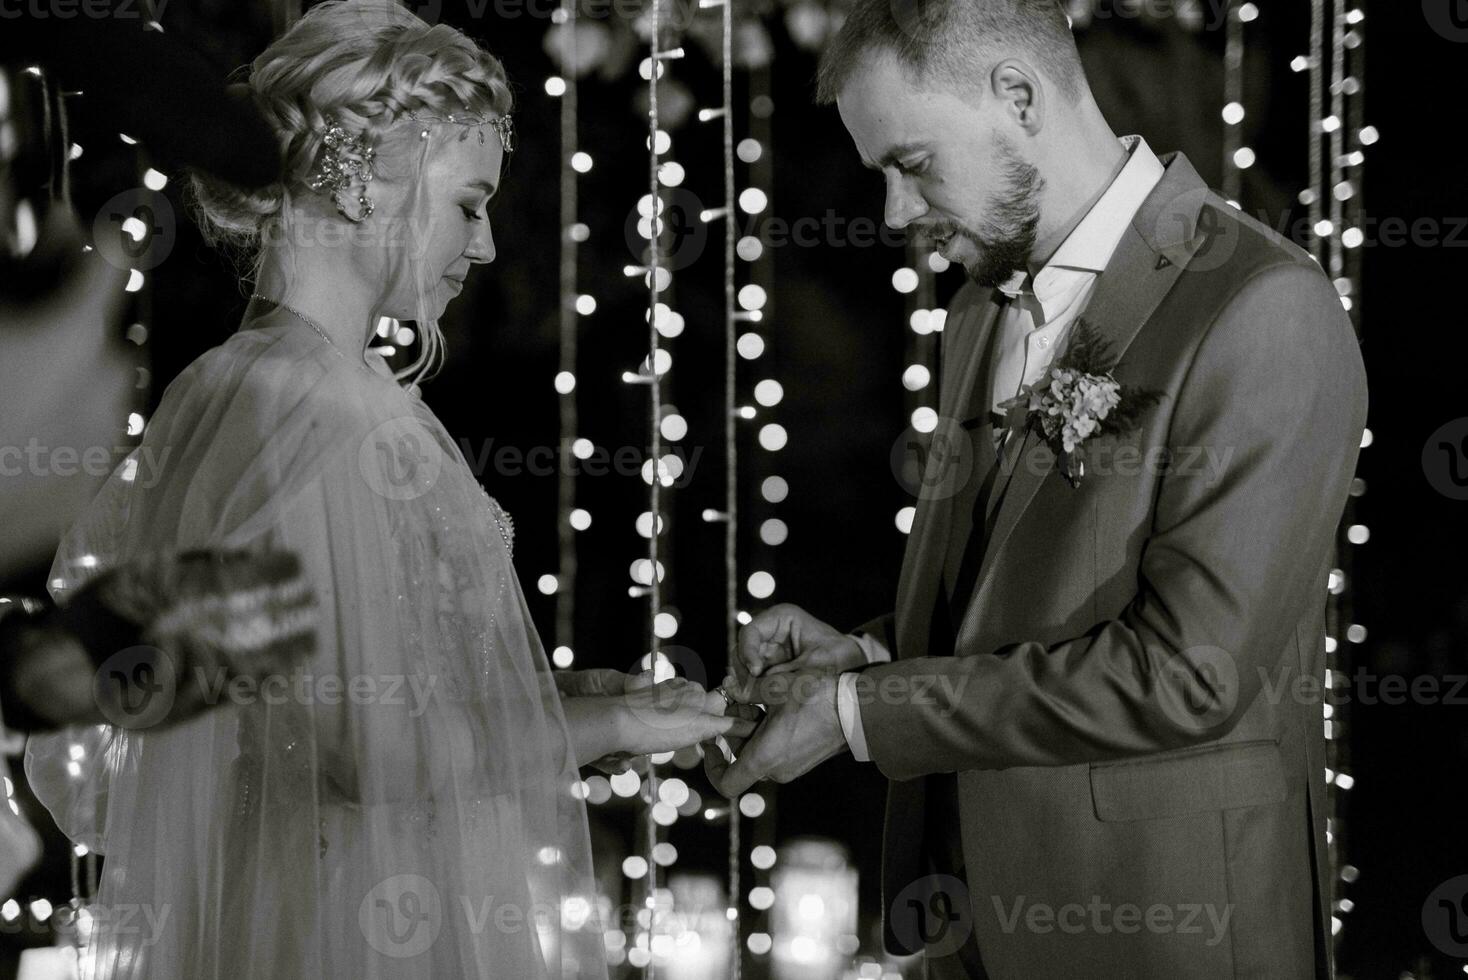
569 519
922 358
1334 200
134 238
656 59
757 311
1237 156
730 516
747 308
731 448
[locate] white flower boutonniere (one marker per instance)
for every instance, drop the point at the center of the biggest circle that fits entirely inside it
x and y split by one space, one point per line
1078 399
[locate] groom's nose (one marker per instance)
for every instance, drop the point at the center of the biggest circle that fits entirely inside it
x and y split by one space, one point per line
904 204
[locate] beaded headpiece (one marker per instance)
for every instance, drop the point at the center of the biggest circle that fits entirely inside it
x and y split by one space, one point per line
348 157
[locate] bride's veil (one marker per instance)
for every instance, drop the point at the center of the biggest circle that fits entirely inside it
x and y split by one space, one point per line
404 805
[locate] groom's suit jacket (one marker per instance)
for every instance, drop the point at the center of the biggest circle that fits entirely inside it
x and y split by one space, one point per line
1112 730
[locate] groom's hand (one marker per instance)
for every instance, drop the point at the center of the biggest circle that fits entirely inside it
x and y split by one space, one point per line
786 638
801 729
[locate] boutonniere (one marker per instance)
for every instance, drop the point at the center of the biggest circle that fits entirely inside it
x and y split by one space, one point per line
1078 399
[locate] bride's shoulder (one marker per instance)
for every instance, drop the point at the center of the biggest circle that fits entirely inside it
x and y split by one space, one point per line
267 380
260 354
263 362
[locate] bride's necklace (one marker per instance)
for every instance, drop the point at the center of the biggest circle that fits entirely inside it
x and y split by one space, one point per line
314 326
309 322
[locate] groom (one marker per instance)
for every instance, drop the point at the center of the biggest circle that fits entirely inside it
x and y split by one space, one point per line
1097 701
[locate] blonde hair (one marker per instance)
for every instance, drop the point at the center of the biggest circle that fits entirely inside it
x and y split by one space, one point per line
367 64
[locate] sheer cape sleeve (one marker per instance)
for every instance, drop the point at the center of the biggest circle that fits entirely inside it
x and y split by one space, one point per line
403 804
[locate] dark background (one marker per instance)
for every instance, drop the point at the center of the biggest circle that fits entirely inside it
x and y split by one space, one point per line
837 342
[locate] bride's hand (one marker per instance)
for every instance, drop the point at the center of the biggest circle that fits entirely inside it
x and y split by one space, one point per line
673 714
594 683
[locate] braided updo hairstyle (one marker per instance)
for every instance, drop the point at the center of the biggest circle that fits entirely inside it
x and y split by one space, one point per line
366 63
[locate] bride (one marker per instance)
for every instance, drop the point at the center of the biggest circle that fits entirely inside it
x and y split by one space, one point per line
403 805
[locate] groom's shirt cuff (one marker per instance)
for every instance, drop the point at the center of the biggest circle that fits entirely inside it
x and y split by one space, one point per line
847 705
875 652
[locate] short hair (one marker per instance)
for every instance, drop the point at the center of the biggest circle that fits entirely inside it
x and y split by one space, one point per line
952 41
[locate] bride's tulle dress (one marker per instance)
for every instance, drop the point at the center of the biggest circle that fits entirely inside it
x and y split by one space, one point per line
400 807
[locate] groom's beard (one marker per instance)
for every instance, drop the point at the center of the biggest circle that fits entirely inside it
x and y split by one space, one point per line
1004 244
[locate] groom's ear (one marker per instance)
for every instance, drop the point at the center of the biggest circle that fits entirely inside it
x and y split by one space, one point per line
1020 93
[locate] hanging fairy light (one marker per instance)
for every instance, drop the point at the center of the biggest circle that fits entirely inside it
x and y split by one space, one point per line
574 51
135 244
917 281
1236 156
760 898
756 309
1334 202
748 310
657 363
730 514
570 520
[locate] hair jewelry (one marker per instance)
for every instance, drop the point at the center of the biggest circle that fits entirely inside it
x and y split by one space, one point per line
347 159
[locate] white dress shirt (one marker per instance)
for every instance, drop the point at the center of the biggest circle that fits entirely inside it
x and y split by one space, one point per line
1033 327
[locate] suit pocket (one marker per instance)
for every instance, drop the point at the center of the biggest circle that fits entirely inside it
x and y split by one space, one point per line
1214 777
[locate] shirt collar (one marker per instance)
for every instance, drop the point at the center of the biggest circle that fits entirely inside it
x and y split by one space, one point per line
1089 246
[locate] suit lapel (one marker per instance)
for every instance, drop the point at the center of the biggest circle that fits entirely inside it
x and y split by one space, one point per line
1147 262
970 330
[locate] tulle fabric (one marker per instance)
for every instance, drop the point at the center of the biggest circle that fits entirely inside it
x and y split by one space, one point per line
403 807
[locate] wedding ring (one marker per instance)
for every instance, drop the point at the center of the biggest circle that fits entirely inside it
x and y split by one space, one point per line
724 694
